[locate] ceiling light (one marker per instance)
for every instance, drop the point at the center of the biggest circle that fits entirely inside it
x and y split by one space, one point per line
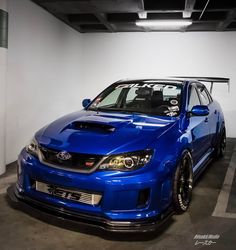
164 23
142 15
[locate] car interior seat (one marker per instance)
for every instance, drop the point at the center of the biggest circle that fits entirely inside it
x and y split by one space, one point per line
157 99
143 98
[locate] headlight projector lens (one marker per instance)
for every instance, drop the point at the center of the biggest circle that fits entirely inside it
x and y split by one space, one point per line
128 162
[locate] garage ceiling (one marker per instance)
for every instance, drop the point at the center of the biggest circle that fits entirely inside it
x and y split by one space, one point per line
121 15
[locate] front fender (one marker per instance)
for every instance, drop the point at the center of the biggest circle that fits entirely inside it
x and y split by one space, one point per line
170 145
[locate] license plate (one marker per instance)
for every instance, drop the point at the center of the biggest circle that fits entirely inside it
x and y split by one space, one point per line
78 196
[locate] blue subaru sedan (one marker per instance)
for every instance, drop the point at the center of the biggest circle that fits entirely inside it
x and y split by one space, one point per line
128 160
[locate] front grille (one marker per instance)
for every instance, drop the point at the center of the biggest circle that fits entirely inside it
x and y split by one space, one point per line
76 162
69 194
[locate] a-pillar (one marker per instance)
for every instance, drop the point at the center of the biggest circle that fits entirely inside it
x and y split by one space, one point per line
3 71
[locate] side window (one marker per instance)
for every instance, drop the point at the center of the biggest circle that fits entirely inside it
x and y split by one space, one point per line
193 99
209 95
203 95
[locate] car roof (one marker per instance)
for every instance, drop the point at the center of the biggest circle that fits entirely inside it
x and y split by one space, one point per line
179 81
171 80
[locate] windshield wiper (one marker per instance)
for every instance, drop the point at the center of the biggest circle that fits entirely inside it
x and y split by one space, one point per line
117 110
129 111
98 109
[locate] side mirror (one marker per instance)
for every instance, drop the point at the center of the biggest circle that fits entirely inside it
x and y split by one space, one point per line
86 102
200 110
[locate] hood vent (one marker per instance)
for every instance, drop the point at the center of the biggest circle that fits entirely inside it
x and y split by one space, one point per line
92 126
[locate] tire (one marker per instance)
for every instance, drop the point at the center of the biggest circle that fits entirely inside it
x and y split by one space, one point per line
221 145
183 183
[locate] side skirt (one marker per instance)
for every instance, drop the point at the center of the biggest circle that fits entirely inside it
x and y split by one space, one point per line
202 164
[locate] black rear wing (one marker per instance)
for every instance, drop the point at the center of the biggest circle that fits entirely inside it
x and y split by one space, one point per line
211 80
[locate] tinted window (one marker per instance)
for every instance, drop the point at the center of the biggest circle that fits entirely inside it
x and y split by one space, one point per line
209 95
203 95
194 98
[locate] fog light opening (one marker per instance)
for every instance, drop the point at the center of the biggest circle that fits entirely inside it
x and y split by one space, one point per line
143 197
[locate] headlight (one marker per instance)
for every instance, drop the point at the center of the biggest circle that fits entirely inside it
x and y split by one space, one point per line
127 161
33 148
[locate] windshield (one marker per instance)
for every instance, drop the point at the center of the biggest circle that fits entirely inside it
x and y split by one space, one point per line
162 99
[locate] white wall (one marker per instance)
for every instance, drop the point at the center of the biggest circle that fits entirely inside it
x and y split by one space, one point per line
3 71
109 57
44 72
51 67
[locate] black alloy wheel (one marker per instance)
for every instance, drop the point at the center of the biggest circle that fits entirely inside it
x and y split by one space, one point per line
183 184
220 148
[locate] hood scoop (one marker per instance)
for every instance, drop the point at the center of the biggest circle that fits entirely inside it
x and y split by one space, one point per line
91 126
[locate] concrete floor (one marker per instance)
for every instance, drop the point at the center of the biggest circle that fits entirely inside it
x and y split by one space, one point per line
212 195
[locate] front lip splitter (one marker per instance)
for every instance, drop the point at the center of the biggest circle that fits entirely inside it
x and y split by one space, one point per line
47 212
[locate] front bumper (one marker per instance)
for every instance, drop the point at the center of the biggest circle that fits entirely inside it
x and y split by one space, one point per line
46 212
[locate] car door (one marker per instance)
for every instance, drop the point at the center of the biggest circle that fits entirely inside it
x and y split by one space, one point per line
206 99
198 127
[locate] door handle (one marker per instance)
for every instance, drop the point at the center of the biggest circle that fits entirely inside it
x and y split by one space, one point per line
206 119
215 112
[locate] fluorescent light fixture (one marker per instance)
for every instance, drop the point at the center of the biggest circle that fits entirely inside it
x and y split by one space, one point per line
164 23
142 15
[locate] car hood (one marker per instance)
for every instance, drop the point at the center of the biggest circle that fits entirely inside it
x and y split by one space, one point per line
103 133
